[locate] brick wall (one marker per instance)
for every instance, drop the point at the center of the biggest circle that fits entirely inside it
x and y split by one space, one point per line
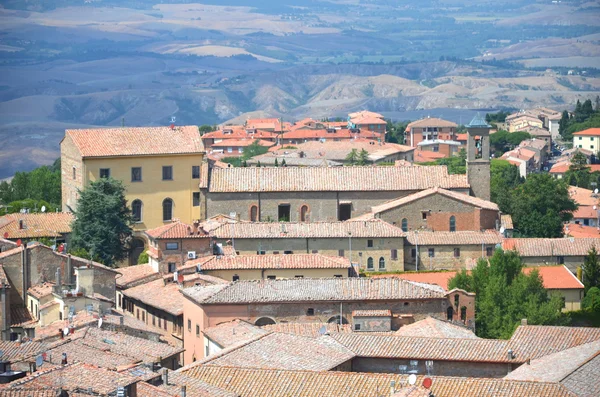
444 256
201 246
382 248
440 368
438 210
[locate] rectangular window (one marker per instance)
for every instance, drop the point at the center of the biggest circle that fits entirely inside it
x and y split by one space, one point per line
457 252
104 172
144 316
271 277
288 252
340 252
310 311
315 251
337 275
413 253
153 320
344 212
172 267
283 212
235 277
394 254
165 323
431 252
74 173
136 174
424 215
260 252
172 246
167 173
369 243
196 199
197 330
357 327
195 172
138 313
299 276
489 251
275 252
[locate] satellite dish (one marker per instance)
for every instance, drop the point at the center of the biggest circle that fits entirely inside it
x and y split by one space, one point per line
427 383
502 230
596 191
594 207
19 242
412 379
66 331
43 208
100 322
5 234
39 361
322 330
61 248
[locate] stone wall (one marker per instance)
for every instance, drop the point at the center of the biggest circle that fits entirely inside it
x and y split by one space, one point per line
444 256
70 159
372 324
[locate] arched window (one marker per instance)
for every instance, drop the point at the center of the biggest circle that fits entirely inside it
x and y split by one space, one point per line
264 321
336 320
370 263
449 313
405 225
304 213
167 209
452 223
381 263
253 213
136 210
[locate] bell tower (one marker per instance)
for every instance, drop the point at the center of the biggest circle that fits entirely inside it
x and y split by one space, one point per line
478 161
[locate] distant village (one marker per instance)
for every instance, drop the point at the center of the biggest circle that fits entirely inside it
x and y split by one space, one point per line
324 266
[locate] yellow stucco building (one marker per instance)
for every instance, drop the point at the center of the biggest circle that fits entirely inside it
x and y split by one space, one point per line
588 139
159 166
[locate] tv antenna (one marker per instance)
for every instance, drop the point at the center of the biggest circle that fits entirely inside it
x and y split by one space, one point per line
173 119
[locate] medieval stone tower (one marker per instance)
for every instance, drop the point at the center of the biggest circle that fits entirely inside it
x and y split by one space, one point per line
478 162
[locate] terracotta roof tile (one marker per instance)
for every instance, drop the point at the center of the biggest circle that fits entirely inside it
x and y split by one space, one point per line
430 122
583 196
465 198
76 377
585 212
364 120
580 231
583 381
292 261
434 328
465 237
344 133
194 387
551 246
279 383
176 230
365 113
366 178
436 278
17 351
312 330
534 341
284 351
588 132
232 333
48 224
417 348
41 290
308 289
158 294
372 313
144 389
241 143
29 392
425 156
133 275
506 221
20 317
136 141
374 228
557 366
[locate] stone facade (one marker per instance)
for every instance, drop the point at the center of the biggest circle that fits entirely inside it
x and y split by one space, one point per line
72 173
262 274
390 249
165 260
445 257
372 323
438 210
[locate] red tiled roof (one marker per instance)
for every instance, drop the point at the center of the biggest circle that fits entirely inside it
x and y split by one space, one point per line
583 196
465 237
360 229
21 317
158 294
556 277
291 261
367 120
372 313
49 224
581 231
430 122
337 134
176 230
561 168
307 329
436 278
465 198
434 328
534 341
304 179
134 274
241 143
238 133
424 156
41 290
136 141
249 382
585 212
233 333
313 290
541 247
506 221
365 113
589 131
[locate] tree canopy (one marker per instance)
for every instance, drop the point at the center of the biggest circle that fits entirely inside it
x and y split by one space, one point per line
584 117
591 270
252 150
503 141
505 295
352 156
102 225
38 187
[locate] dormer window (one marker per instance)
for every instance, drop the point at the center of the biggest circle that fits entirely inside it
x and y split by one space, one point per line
227 132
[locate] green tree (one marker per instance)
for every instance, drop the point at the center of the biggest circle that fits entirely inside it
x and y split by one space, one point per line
143 258
540 206
206 128
503 141
363 157
42 184
352 157
591 300
505 295
276 163
579 171
102 225
591 269
563 124
504 178
283 164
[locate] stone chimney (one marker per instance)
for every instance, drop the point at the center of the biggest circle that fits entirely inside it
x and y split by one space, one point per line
165 376
524 321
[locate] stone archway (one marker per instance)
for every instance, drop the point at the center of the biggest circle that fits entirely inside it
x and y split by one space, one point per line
136 247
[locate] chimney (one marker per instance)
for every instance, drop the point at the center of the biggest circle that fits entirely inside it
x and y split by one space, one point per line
392 388
121 321
165 376
68 270
196 226
183 391
58 285
64 359
524 321
21 224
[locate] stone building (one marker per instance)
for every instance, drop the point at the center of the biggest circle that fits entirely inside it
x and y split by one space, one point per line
425 250
316 193
438 209
31 226
372 244
478 161
429 129
264 302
